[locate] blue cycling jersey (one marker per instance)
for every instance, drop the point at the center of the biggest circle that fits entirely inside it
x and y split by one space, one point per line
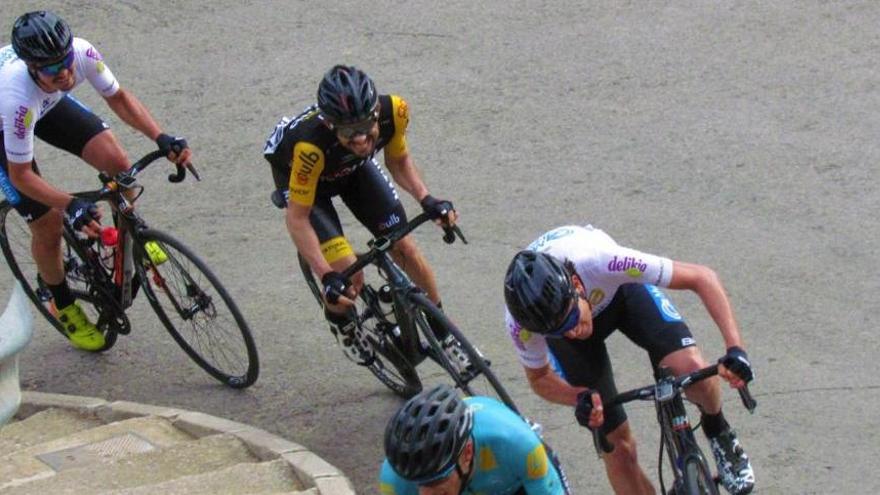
508 457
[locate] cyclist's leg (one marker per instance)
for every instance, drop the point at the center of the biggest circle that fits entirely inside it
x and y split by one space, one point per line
587 364
69 126
339 255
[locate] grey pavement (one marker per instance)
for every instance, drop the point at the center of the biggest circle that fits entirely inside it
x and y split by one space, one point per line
741 135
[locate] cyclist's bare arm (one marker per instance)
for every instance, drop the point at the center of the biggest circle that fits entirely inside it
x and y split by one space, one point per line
30 184
705 283
130 109
403 171
550 386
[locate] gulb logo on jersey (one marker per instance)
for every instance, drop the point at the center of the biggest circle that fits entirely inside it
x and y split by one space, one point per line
24 117
309 161
393 220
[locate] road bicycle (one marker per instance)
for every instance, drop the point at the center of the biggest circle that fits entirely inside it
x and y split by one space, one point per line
691 472
105 274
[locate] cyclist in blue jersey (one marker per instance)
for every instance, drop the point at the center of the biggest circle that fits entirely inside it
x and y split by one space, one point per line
441 444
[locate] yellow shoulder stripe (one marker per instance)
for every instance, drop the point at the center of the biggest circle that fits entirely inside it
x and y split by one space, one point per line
537 463
400 111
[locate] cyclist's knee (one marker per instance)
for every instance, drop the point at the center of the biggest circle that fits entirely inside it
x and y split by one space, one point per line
624 442
684 360
407 248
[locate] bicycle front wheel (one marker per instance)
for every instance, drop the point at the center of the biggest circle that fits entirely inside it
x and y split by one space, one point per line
481 380
697 478
390 364
196 309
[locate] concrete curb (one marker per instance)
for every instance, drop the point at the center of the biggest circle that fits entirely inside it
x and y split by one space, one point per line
311 470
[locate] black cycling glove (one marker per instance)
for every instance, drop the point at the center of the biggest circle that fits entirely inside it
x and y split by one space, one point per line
334 286
80 213
584 408
436 208
168 144
737 361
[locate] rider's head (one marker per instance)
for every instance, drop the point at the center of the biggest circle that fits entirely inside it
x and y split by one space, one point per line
428 441
540 293
349 106
41 37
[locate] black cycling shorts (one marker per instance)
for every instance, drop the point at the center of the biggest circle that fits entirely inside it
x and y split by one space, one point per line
68 126
646 317
370 196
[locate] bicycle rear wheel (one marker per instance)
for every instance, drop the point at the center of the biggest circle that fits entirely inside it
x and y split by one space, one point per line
697 478
100 307
482 380
390 366
197 310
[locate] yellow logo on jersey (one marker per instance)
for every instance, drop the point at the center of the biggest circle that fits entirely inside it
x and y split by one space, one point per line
336 249
596 296
487 459
536 463
100 67
524 335
28 118
386 489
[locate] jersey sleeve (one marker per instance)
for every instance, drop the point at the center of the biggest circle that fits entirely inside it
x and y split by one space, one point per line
18 131
306 167
397 145
530 347
625 265
95 69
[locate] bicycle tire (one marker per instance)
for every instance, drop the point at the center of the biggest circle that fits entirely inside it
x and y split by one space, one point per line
15 240
401 378
187 297
481 382
696 477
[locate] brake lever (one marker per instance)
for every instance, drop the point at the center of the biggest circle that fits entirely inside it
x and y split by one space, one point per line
178 176
450 233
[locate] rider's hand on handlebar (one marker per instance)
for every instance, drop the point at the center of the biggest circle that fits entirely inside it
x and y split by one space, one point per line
440 210
175 148
588 410
84 217
337 289
735 367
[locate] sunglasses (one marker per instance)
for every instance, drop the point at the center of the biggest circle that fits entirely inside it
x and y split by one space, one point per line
571 321
54 69
439 477
349 131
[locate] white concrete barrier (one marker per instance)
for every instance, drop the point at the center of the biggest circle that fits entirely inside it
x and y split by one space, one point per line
16 330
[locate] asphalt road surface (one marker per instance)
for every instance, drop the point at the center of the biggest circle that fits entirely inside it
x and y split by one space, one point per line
741 135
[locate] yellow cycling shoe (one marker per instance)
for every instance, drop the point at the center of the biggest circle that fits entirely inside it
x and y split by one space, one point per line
155 252
81 332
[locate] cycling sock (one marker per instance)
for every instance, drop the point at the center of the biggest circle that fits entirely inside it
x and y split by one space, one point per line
714 424
61 294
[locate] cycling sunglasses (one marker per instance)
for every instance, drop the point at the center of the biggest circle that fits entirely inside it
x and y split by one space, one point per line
55 68
571 321
349 131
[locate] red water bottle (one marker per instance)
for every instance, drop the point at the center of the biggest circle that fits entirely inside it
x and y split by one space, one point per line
109 236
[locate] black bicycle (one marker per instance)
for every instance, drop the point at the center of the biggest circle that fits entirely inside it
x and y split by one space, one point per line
105 274
689 467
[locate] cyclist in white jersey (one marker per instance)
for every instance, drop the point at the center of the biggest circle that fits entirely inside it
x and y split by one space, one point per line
37 71
570 290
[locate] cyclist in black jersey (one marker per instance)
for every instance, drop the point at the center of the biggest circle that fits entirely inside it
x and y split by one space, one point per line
330 150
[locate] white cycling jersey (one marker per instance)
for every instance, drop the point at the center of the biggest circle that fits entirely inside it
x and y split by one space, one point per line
23 103
603 266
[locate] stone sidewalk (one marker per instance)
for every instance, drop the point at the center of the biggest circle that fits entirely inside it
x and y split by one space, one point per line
84 445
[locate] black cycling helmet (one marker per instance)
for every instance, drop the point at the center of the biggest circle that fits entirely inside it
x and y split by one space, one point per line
425 437
40 37
347 95
538 291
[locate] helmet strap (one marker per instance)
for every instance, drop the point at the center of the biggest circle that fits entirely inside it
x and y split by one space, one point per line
466 478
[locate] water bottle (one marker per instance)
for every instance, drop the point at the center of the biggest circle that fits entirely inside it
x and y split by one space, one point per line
109 240
386 303
8 189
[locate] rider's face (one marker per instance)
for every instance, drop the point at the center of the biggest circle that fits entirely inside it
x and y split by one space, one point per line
361 144
59 75
584 327
451 485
